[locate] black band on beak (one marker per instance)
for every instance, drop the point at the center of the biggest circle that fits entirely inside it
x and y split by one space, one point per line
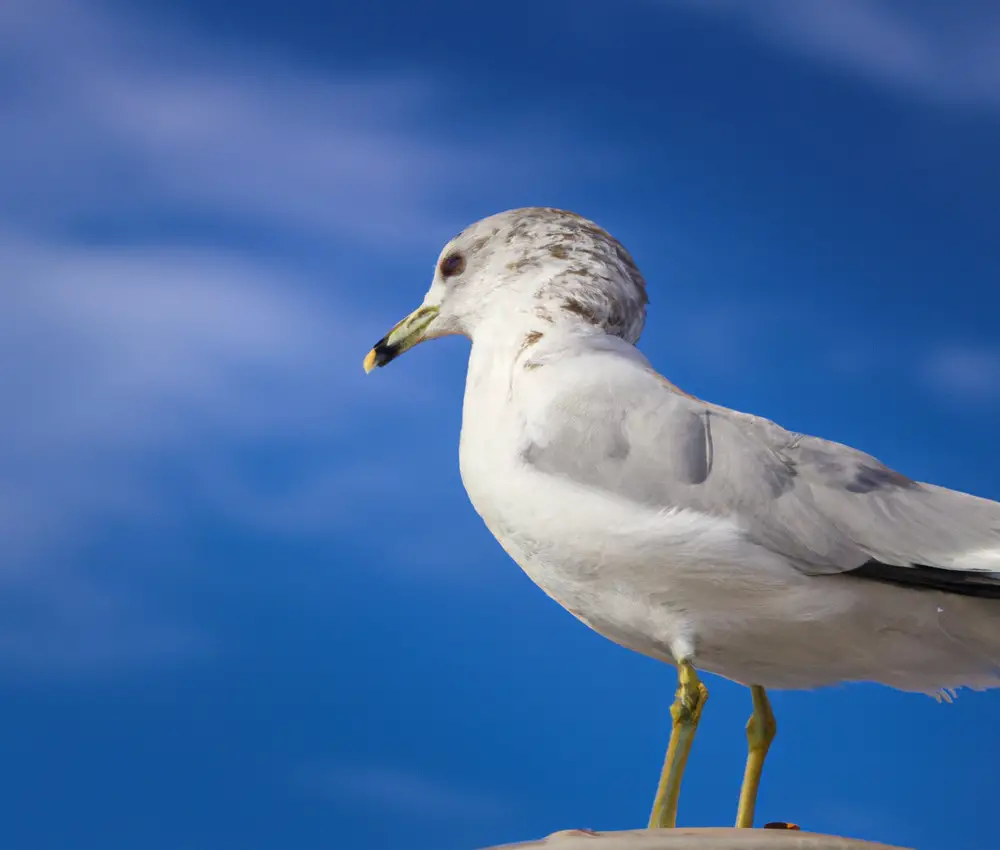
402 337
385 352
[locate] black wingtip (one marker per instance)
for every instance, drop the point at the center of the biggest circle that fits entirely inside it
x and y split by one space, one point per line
982 585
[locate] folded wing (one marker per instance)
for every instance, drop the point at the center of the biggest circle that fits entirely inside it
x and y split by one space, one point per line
827 508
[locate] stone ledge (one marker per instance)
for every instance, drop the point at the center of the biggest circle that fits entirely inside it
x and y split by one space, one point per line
691 838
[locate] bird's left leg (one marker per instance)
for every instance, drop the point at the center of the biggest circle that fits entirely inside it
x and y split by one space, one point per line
685 714
761 729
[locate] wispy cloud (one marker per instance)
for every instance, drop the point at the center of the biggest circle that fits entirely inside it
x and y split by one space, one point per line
963 373
391 789
112 118
154 323
941 52
118 363
66 623
116 356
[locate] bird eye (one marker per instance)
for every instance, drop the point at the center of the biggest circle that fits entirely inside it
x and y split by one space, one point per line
452 265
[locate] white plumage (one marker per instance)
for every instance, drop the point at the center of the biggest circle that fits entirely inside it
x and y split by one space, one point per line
699 535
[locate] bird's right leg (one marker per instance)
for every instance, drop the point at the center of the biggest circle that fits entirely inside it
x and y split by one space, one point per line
685 714
761 729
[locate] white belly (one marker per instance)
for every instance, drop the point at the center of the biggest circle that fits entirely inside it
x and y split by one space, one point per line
676 585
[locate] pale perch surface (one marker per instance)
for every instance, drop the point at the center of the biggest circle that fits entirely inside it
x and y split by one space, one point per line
689 838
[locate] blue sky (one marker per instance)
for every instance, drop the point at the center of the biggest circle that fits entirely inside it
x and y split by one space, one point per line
245 601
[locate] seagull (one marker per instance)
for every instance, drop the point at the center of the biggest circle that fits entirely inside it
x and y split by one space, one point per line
710 539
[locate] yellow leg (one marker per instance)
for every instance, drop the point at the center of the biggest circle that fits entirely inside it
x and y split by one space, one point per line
685 714
761 729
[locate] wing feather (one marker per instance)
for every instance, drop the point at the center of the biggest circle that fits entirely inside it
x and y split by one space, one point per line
826 507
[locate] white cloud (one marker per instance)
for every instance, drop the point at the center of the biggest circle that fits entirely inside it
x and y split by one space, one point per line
391 789
130 352
65 623
115 365
113 356
942 52
964 373
122 352
109 118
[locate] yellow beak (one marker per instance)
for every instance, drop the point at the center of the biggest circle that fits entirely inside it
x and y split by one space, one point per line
402 337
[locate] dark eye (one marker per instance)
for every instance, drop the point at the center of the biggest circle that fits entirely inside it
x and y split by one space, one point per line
452 265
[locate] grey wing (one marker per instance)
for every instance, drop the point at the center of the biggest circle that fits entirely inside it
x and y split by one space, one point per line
912 533
826 507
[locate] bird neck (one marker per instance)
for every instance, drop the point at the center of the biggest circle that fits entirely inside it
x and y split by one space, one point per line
500 349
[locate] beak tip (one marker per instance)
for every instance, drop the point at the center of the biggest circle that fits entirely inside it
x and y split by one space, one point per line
370 361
